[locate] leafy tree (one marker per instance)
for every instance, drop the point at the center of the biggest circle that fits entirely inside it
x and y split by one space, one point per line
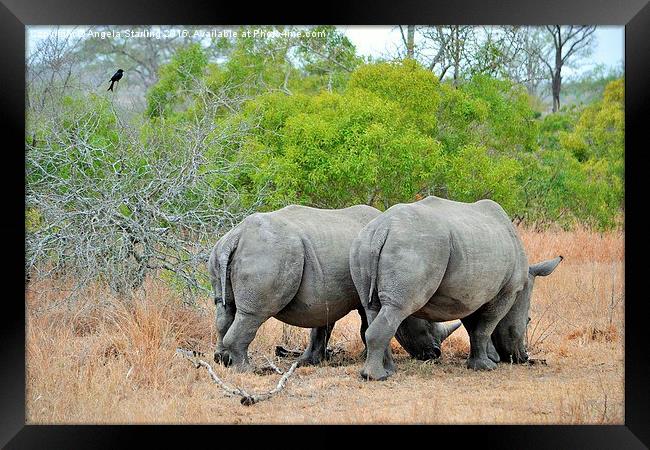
562 190
415 89
370 144
577 176
176 78
327 57
474 174
600 130
552 126
508 120
598 140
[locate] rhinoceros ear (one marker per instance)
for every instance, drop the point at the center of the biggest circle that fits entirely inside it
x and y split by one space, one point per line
545 267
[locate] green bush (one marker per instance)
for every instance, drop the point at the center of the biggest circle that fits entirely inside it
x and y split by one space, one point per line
333 150
389 132
186 66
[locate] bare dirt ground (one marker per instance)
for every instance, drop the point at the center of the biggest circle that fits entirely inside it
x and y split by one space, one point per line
99 359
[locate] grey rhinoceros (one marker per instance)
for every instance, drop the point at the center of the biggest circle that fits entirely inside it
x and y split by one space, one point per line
293 264
440 260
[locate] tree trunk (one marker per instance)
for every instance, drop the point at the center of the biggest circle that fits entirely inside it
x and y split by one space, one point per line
556 87
556 83
410 41
456 52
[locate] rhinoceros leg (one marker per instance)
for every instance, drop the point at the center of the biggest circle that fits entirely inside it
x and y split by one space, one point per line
239 336
379 360
469 323
492 352
480 326
317 348
400 298
367 316
364 325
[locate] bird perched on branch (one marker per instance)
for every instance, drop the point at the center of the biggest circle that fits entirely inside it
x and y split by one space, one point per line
115 78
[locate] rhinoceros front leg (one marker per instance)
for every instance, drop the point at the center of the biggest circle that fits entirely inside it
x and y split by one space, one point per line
492 353
239 336
317 348
362 331
364 325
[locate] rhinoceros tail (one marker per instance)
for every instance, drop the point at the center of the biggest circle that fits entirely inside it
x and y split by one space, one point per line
376 244
230 241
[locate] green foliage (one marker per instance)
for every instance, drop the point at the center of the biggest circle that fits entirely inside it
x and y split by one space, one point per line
286 59
333 150
83 137
185 67
382 134
395 132
600 130
474 174
598 141
508 124
459 117
408 85
327 58
578 174
489 113
553 125
563 190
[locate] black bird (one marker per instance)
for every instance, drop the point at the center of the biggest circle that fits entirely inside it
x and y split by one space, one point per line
116 77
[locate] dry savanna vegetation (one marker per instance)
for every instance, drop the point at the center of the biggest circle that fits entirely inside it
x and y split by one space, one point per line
97 358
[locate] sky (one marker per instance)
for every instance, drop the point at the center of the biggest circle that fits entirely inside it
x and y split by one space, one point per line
378 41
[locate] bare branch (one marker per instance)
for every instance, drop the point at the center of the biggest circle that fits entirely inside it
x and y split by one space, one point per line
246 398
119 210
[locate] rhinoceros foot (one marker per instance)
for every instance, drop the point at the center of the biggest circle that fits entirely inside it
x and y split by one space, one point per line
493 354
222 357
310 359
378 374
243 367
481 364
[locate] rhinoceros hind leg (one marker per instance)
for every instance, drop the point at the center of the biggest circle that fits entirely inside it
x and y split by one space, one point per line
316 351
239 336
379 360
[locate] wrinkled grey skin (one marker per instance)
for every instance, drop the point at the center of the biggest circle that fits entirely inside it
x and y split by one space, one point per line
440 260
293 264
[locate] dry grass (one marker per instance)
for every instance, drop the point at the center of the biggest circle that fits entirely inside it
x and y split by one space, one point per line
99 359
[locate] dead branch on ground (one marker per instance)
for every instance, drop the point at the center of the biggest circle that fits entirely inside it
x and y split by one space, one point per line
246 398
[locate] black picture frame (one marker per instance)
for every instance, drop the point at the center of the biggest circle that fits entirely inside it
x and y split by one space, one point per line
633 14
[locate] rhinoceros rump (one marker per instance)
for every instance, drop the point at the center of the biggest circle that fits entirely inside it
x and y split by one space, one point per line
440 260
293 264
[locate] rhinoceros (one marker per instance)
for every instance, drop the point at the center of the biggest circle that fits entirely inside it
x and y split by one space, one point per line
293 264
440 260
